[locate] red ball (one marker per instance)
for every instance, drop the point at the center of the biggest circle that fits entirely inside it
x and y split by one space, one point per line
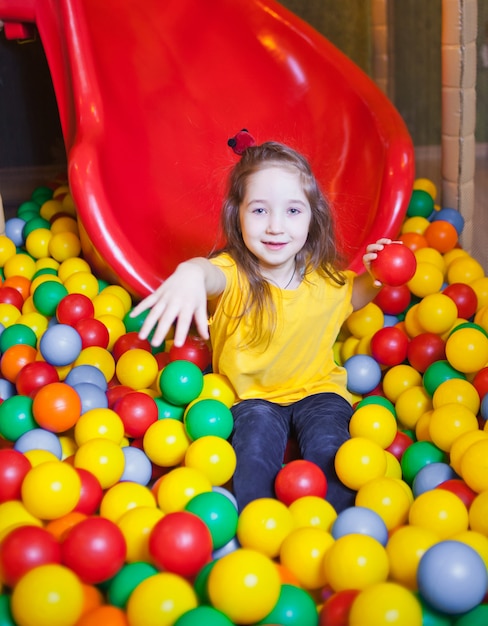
13 468
389 346
92 332
34 376
94 549
480 382
129 341
91 492
194 349
137 411
425 349
300 478
459 488
393 300
181 543
398 446
10 295
73 308
115 392
394 265
335 610
464 297
24 548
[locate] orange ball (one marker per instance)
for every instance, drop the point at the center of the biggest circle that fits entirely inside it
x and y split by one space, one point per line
56 407
105 614
21 283
441 235
14 359
414 241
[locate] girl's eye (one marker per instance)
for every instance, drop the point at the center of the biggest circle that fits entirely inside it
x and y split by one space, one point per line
258 210
293 210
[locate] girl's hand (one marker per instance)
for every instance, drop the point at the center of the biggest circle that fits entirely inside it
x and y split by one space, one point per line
182 298
371 254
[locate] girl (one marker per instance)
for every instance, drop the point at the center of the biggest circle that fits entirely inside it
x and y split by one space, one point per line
277 300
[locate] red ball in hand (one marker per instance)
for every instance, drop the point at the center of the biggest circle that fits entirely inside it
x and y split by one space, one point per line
394 265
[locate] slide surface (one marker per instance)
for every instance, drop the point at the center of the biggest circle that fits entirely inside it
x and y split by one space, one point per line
149 92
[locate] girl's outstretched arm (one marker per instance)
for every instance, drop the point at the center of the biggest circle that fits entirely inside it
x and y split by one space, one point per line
182 298
365 286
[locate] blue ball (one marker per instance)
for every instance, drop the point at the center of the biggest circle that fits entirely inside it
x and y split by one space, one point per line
363 373
86 374
430 476
60 345
14 228
484 407
137 468
359 520
39 439
91 396
452 216
452 577
7 389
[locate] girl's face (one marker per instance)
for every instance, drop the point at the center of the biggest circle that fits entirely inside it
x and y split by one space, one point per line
275 218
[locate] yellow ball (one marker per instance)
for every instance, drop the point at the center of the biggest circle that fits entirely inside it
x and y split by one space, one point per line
136 525
461 444
374 422
106 303
387 497
365 321
411 404
19 265
123 497
263 525
314 512
179 486
467 350
427 279
448 422
99 423
411 321
440 511
431 255
121 293
103 458
478 514
160 599
465 269
9 314
166 442
416 224
214 457
82 282
398 379
115 326
405 548
37 242
474 466
13 513
385 604
426 185
303 552
137 368
480 287
244 585
359 460
7 249
217 387
51 490
49 209
99 358
64 245
64 224
476 540
72 266
437 313
355 561
457 391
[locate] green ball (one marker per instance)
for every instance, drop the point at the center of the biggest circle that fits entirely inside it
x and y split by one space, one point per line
42 194
219 515
16 334
468 325
181 382
47 296
33 224
16 417
201 615
126 580
295 607
168 410
437 373
6 618
28 209
200 583
476 617
418 455
208 417
381 400
421 204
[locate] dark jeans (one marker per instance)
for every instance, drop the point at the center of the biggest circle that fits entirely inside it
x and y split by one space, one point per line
320 424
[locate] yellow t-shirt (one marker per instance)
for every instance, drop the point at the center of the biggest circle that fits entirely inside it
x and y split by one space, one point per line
299 360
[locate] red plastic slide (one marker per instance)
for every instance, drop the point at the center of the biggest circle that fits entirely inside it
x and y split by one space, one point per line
149 91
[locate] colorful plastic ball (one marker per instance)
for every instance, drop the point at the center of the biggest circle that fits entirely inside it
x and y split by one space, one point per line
405 548
48 295
464 297
14 359
160 599
448 422
16 417
73 308
244 585
181 382
99 423
355 562
336 608
300 478
394 265
60 345
51 490
103 458
137 411
398 379
217 387
363 373
39 439
180 543
440 511
203 615
97 357
15 334
214 457
179 486
194 349
418 455
129 341
137 369
441 235
427 279
126 580
457 391
360 520
421 204
374 422
123 497
465 269
359 460
64 245
365 321
103 549
313 512
385 604
56 407
263 525
47 595
467 350
452 577
9 295
473 466
91 493
208 417
425 349
34 376
86 374
452 216
437 313
388 497
437 373
389 346
13 468
137 466
219 515
430 476
136 525
13 231
460 489
24 548
295 607
480 382
91 397
93 332
166 442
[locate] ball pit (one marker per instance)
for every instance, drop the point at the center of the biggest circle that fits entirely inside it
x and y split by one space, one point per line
114 453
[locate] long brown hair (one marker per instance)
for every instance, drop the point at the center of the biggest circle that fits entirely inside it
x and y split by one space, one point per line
319 253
